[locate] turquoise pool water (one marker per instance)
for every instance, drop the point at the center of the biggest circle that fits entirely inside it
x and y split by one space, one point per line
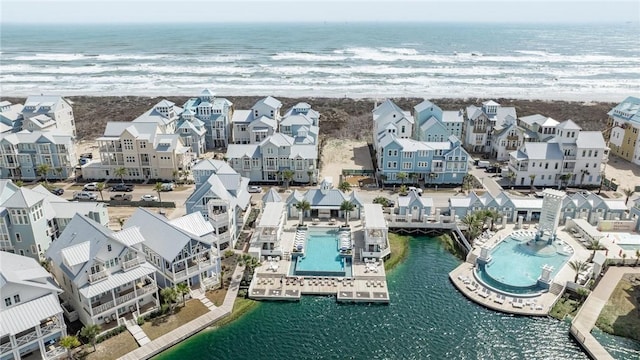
321 256
516 265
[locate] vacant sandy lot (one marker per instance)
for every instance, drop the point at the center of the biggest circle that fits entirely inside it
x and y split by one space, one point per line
339 154
626 174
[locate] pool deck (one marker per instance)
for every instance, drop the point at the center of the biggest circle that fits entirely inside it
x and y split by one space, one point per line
586 317
364 285
463 278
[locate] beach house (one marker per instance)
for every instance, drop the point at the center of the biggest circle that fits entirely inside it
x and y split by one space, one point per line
23 154
48 113
481 122
31 219
103 273
31 318
430 155
325 202
414 207
10 117
426 111
376 233
211 114
623 129
221 197
181 250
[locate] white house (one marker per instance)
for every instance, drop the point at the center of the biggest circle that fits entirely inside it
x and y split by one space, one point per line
182 250
266 239
10 117
213 114
31 320
481 122
254 125
376 232
48 113
31 219
104 274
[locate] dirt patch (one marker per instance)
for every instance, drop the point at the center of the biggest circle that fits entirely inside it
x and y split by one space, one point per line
216 296
182 315
339 154
111 348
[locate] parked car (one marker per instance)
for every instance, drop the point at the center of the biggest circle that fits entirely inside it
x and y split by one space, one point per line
83 161
92 186
492 169
123 187
483 164
84 195
168 186
86 156
57 191
121 197
416 189
255 189
149 197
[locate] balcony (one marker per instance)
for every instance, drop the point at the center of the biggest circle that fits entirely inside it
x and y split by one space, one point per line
219 218
145 163
147 289
50 328
479 129
55 352
102 307
5 348
100 275
133 263
130 295
26 338
271 167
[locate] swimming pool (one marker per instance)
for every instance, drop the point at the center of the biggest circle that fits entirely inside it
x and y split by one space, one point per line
516 264
322 256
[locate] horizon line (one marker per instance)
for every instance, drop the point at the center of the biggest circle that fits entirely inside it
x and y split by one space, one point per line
320 22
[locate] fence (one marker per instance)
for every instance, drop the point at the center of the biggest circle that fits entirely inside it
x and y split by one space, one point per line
164 204
357 172
608 183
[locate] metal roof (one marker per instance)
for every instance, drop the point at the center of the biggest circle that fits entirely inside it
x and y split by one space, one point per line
130 236
272 214
117 279
374 217
271 196
194 223
21 317
77 254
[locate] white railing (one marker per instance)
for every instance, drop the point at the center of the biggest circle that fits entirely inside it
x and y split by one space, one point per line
130 264
102 308
100 275
123 299
56 352
50 328
24 339
147 289
5 348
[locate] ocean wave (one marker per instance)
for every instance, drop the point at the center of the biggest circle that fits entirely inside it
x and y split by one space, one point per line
307 57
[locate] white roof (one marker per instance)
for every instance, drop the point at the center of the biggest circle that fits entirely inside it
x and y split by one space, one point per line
615 204
589 229
118 279
130 236
527 203
194 223
374 218
272 214
29 314
77 254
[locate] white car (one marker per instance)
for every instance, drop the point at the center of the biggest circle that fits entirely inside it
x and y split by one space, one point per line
418 190
149 197
92 186
84 195
255 189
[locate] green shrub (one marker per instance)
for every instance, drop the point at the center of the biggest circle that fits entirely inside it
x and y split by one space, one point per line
242 293
140 320
111 333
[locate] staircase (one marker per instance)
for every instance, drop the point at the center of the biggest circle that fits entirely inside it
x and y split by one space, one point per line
356 256
471 258
199 295
287 255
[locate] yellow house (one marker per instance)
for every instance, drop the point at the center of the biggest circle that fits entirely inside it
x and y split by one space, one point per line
623 130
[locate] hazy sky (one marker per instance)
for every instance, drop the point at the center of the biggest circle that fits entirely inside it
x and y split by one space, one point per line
215 11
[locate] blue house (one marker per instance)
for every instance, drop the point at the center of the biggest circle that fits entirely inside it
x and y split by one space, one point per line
215 113
416 206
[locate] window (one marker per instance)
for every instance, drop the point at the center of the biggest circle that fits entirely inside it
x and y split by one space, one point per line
19 217
16 298
402 129
407 165
127 144
109 247
546 165
7 301
131 159
143 144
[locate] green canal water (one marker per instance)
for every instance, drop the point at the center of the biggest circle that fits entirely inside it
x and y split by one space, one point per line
427 319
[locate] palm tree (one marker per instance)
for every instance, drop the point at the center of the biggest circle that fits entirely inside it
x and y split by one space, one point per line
512 177
474 225
347 206
492 215
344 186
533 178
59 172
287 176
583 172
402 176
175 174
577 266
182 289
414 178
158 188
43 170
564 178
302 206
100 188
185 175
90 332
169 296
467 182
69 342
250 262
120 172
624 258
637 256
628 192
309 174
19 183
403 190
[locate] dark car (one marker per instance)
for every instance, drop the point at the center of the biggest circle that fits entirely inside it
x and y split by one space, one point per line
122 187
87 156
492 169
57 191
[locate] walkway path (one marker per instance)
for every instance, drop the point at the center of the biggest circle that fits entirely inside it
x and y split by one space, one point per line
137 332
183 332
203 299
586 318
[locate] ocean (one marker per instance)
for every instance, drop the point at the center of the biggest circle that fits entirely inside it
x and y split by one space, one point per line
361 60
426 319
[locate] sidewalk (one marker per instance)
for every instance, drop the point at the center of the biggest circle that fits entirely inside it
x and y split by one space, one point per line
191 328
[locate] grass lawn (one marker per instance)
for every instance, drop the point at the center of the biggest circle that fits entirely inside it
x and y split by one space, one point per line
111 348
399 245
240 307
182 315
621 315
216 296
